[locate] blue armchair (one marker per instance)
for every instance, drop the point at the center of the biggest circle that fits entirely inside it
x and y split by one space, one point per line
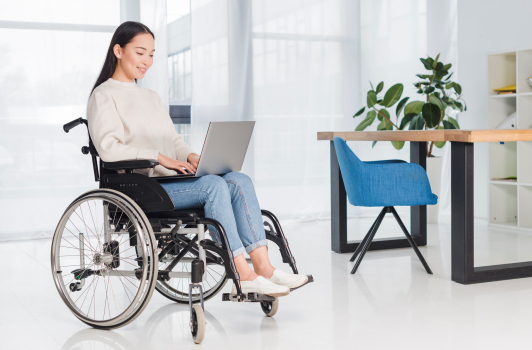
384 183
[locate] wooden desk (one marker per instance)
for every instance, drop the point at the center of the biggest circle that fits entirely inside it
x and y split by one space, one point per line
462 170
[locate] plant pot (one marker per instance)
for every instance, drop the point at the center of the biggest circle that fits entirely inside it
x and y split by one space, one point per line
434 165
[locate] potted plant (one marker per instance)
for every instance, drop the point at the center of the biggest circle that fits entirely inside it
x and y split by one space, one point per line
439 93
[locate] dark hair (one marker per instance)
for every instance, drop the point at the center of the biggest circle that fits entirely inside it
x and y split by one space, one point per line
123 35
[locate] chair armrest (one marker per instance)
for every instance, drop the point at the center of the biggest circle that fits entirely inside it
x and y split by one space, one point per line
130 164
386 161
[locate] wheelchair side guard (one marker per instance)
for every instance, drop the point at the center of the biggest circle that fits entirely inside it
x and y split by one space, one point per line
224 251
276 235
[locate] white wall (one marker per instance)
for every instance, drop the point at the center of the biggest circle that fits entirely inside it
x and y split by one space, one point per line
484 27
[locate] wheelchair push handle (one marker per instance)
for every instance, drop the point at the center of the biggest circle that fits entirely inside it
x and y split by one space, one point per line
70 125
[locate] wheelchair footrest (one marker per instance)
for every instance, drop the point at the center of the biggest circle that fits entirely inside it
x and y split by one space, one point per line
310 279
249 297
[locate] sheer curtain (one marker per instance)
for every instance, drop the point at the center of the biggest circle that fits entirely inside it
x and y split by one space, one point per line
52 53
298 67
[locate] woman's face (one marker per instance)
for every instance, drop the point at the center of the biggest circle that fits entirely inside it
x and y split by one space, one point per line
136 57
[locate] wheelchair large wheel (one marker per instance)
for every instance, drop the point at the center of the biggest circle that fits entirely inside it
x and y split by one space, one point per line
177 289
99 274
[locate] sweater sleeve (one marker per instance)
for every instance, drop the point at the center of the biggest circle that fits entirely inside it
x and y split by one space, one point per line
107 131
182 150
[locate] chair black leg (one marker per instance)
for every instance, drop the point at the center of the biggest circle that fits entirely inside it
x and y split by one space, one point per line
411 241
368 241
361 245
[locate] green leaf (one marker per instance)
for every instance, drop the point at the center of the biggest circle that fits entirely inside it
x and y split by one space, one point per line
379 87
372 99
417 123
398 144
437 101
448 125
450 85
414 107
426 64
373 144
430 60
459 106
454 122
449 77
400 106
457 88
436 59
429 89
379 102
439 66
359 112
392 95
447 66
372 88
370 117
387 115
406 120
439 144
431 114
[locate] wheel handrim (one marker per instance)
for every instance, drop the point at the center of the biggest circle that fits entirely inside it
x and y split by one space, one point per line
122 295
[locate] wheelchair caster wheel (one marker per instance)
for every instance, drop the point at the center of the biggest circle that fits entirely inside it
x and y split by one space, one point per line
75 287
270 307
197 324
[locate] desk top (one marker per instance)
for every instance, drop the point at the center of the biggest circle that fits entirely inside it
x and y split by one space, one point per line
431 135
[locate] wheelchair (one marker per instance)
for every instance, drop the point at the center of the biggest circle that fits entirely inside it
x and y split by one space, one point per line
115 245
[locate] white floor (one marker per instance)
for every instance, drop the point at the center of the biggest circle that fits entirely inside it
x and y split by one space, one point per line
391 303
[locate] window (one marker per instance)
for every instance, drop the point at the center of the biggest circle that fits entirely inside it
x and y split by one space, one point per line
179 65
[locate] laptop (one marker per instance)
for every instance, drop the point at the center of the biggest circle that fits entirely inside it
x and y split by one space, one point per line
224 149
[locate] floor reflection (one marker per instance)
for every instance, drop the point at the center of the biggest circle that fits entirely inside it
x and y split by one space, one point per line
167 327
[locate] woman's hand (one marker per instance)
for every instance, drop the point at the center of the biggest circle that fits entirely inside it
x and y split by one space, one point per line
193 159
173 164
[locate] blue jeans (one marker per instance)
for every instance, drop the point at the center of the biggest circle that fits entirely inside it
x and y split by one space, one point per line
231 200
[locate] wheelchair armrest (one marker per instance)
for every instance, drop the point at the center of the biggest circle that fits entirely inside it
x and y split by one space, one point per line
130 164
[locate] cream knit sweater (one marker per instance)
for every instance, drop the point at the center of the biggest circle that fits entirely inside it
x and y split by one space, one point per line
127 122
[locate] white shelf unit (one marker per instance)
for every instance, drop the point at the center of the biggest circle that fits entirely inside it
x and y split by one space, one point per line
510 203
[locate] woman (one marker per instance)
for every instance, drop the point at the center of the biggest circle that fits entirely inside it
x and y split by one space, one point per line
130 122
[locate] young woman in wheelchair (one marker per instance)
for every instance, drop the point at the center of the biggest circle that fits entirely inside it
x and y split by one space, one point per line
128 122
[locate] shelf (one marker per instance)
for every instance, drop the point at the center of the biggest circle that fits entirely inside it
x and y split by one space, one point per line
504 96
502 160
499 109
525 203
504 183
503 204
502 71
524 71
525 167
525 112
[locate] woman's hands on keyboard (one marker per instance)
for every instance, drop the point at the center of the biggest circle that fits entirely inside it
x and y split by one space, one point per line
193 159
176 165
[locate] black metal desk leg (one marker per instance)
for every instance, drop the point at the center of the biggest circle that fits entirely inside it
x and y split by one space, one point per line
418 213
462 235
338 207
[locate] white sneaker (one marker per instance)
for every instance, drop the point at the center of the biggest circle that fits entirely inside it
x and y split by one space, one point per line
287 279
263 286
